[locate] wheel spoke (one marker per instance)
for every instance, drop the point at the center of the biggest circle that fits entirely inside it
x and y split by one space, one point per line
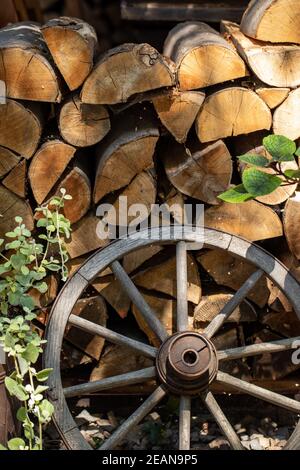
260 348
182 282
134 419
131 378
233 303
222 421
185 423
137 298
113 337
259 392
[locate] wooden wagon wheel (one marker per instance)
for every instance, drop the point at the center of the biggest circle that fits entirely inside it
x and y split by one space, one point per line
186 363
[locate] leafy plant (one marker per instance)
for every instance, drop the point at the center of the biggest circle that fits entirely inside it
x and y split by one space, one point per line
25 265
255 181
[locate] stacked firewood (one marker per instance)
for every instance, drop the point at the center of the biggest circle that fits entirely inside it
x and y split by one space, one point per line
157 128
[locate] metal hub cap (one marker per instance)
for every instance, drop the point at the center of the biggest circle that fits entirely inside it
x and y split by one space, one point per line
187 363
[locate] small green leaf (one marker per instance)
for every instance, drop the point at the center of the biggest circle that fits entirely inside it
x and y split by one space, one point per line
235 195
22 414
297 153
254 160
258 183
279 146
47 410
18 219
43 375
25 270
42 287
41 389
292 174
31 353
16 443
15 389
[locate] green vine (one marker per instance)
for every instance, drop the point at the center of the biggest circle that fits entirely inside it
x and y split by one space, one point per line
25 264
255 181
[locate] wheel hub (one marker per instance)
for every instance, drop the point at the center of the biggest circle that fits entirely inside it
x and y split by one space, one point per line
187 363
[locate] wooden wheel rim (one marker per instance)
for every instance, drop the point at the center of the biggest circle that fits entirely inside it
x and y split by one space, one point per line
76 285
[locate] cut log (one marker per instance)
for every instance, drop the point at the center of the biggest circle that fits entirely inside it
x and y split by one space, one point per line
277 300
117 360
280 194
165 309
211 305
273 97
15 181
141 191
83 126
201 172
231 112
115 295
233 272
283 323
202 56
77 184
285 120
162 278
47 166
125 71
291 221
178 110
250 220
272 20
137 258
20 127
12 206
94 310
266 60
25 64
84 237
126 151
72 44
8 161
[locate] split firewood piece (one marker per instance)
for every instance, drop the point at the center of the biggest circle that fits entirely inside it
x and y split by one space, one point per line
117 360
283 323
272 20
47 166
94 310
72 43
165 310
177 111
162 278
228 271
115 295
201 172
266 60
137 258
44 300
202 56
230 112
20 127
8 161
16 179
77 184
277 300
280 194
211 305
272 366
273 97
84 238
126 151
285 120
125 71
26 66
250 220
141 191
291 221
12 206
83 125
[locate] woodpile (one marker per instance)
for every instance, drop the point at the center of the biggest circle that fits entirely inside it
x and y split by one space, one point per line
155 127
